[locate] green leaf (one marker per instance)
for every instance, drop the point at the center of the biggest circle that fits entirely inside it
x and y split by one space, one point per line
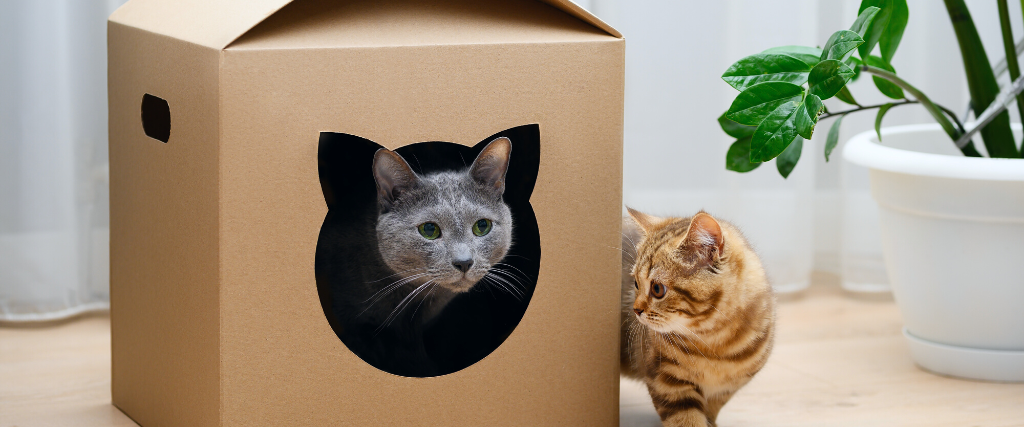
847 97
734 129
810 55
981 81
807 117
840 44
787 160
833 137
878 119
766 67
775 132
758 101
828 78
877 26
886 87
738 157
867 15
854 64
893 32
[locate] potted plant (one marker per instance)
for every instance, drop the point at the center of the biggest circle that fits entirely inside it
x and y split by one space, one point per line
952 220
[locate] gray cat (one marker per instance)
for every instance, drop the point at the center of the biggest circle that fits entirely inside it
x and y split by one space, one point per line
443 232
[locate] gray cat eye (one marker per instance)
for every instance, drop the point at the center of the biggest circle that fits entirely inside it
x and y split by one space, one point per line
482 227
429 230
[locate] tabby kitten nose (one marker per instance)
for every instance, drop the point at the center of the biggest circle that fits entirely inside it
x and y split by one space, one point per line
638 311
463 265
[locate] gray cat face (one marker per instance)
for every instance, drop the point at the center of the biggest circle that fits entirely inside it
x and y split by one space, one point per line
448 227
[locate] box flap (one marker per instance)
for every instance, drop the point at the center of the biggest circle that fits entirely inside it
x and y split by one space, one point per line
574 9
217 23
210 23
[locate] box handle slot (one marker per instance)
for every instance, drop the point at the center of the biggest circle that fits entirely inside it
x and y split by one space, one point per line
156 118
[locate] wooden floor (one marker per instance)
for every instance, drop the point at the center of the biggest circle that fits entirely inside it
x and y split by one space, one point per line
839 360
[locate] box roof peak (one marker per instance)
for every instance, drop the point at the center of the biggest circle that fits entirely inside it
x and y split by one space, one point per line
218 23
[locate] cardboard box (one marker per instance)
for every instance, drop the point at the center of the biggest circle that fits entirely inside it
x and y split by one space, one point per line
217 204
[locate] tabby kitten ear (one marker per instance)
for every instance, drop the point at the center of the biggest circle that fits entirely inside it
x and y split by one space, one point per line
704 241
393 176
645 221
491 164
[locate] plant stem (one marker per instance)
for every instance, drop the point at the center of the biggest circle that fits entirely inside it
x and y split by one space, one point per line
968 150
1011 52
937 112
862 108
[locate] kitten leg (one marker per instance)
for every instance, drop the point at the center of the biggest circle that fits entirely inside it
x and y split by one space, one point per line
680 408
715 404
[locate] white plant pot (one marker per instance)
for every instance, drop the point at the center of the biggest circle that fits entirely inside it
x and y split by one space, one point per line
953 242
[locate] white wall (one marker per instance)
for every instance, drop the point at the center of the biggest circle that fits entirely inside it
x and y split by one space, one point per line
674 160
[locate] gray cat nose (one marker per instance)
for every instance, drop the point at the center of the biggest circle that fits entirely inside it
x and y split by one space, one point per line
463 265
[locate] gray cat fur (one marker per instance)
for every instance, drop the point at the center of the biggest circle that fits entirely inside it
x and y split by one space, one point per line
454 201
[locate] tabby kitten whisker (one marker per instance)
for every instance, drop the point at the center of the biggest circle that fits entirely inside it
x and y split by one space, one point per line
692 334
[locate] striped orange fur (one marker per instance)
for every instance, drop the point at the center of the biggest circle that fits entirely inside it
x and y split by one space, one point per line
698 314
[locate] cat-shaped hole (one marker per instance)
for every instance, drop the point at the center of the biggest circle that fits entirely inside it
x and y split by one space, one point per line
429 254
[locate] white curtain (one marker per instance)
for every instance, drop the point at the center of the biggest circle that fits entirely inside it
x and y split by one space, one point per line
54 218
821 218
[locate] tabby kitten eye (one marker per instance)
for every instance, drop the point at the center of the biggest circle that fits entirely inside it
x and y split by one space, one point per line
429 230
657 290
482 227
636 285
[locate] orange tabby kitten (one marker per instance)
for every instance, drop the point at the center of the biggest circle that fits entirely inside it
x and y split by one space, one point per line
698 314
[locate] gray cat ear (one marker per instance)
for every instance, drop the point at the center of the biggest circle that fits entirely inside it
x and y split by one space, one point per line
490 166
393 176
704 241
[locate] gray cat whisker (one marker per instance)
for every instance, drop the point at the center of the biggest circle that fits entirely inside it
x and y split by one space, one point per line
401 304
500 285
387 290
395 286
507 288
391 287
509 275
393 275
519 256
432 287
514 268
510 284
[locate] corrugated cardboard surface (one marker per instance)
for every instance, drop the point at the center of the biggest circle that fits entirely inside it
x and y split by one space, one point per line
282 362
164 292
216 316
